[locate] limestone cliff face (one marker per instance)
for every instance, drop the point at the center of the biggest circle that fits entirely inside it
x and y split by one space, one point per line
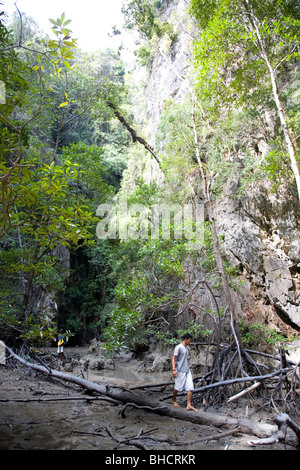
261 237
170 65
261 230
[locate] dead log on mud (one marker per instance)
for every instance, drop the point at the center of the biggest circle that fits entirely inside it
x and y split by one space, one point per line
283 420
201 417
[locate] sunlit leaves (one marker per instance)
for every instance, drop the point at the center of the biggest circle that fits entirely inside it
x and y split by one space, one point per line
58 51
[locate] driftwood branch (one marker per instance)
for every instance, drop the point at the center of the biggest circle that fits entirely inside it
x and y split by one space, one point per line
158 385
283 420
147 408
244 392
134 440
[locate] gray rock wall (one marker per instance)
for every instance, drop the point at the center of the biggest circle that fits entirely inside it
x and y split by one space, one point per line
169 64
262 238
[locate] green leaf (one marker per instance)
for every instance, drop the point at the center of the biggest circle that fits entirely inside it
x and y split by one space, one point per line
67 64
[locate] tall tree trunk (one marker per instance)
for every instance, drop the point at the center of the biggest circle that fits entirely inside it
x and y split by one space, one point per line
254 26
216 247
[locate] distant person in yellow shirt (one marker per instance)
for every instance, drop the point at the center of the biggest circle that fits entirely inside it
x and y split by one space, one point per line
60 346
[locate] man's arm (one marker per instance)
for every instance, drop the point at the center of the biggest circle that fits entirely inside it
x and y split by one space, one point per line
174 372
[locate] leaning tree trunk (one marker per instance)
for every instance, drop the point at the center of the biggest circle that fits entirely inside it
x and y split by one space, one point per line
228 299
211 218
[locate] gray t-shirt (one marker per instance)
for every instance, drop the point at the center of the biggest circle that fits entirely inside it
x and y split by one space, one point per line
183 353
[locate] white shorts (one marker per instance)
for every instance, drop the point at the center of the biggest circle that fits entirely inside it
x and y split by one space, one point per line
184 380
60 349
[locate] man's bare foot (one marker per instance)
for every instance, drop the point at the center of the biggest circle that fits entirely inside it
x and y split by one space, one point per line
191 408
176 404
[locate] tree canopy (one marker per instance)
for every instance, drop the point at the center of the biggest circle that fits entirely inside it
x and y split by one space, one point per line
248 55
71 139
52 173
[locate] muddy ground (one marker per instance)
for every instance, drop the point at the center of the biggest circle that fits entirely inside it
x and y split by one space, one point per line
42 423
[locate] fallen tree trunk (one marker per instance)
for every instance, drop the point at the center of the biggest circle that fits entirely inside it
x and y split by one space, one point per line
201 417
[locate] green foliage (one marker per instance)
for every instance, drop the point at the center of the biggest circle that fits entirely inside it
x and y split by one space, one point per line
152 292
59 51
145 54
228 63
175 141
125 330
49 192
91 171
31 330
198 332
238 44
150 289
62 153
228 56
276 164
85 301
144 15
38 201
146 294
262 337
39 335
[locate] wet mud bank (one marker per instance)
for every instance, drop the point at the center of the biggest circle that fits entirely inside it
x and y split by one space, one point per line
41 413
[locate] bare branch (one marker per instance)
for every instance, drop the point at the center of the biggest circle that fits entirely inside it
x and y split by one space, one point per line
133 133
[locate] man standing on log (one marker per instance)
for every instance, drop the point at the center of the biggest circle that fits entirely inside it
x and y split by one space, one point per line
182 374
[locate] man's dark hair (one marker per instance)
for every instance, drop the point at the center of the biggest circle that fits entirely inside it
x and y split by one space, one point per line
187 336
